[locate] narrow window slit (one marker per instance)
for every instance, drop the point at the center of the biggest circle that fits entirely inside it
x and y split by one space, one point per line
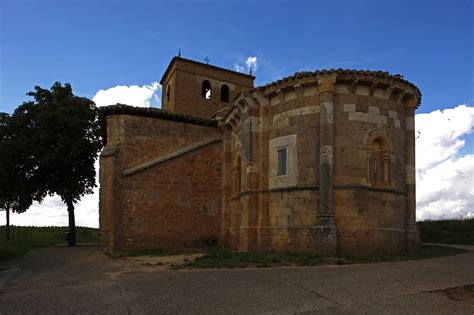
282 162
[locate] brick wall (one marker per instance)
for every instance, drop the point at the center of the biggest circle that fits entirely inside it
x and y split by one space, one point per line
174 204
186 79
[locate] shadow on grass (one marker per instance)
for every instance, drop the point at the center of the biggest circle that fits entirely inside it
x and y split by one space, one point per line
222 258
15 249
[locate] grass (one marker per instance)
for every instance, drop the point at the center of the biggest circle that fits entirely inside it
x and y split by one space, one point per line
49 234
161 252
229 259
26 238
459 232
222 258
15 250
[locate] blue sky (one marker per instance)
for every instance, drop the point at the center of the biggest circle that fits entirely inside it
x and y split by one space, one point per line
102 45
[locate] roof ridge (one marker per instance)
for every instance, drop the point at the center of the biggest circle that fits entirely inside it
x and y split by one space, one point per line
373 73
153 112
202 64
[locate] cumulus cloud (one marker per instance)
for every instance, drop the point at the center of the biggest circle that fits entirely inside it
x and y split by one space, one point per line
445 179
239 68
142 96
250 63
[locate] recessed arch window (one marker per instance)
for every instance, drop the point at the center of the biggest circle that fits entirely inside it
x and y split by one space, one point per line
168 92
206 89
225 93
379 162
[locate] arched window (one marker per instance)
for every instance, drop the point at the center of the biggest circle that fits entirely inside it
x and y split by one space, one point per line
206 89
378 162
225 93
168 93
237 175
376 167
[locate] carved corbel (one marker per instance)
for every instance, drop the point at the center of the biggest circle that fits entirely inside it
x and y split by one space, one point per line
280 95
388 92
353 86
298 90
372 88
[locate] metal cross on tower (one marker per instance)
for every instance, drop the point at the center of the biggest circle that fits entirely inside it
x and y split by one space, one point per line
207 60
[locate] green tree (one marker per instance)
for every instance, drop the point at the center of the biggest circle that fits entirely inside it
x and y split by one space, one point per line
66 141
17 166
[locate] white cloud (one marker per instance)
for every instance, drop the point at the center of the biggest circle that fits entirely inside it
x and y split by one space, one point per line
251 63
445 180
238 67
142 96
440 134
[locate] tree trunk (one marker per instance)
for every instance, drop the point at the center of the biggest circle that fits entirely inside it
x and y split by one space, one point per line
7 225
72 223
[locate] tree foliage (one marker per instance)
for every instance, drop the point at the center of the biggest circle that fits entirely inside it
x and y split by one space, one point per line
67 141
17 165
58 136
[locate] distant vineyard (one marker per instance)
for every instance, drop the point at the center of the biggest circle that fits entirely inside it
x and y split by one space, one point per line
49 234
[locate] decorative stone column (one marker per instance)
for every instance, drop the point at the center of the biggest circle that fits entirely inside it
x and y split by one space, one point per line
386 158
412 233
325 230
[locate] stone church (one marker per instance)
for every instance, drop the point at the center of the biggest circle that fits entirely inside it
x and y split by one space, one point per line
321 161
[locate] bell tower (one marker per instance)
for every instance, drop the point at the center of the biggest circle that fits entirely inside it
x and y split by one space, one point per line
200 89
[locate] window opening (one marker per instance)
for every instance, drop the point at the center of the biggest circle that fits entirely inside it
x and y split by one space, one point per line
282 162
206 89
225 93
379 173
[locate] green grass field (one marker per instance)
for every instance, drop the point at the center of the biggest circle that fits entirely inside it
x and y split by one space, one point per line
25 238
459 232
223 258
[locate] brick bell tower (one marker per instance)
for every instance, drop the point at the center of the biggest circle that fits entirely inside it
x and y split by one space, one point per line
199 89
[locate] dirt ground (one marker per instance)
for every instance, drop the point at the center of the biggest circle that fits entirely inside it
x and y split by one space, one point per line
83 280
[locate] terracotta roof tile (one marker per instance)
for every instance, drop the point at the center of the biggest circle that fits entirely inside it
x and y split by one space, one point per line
377 74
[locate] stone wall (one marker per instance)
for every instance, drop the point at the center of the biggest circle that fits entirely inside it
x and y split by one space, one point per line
370 215
349 143
160 184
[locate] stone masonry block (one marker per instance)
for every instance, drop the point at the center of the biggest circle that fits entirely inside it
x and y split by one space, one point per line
366 117
373 110
349 107
382 120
